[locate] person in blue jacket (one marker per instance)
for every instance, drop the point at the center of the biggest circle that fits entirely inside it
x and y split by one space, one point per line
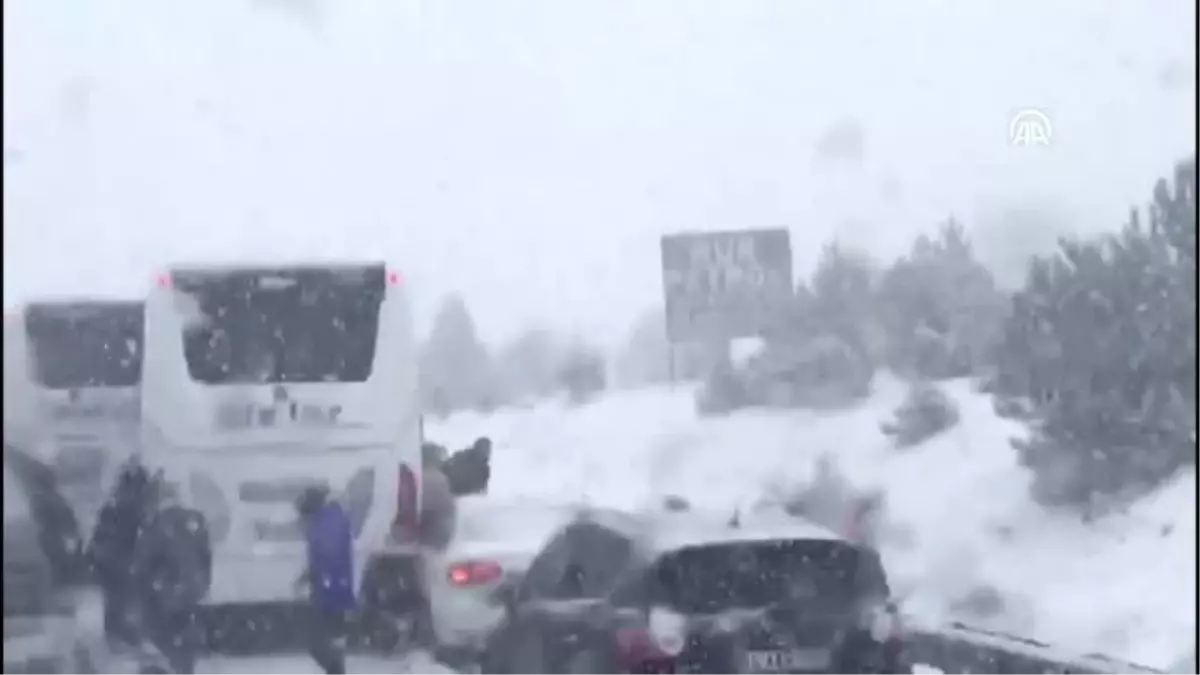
329 576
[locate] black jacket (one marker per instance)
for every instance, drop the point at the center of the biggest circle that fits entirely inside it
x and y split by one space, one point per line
469 470
127 510
172 559
57 529
28 581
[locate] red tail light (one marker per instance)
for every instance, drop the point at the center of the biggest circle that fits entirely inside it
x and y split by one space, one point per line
406 526
474 572
636 645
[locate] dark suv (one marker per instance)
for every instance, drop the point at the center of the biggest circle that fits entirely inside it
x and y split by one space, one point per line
615 593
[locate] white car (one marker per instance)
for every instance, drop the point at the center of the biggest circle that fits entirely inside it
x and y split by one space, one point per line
495 540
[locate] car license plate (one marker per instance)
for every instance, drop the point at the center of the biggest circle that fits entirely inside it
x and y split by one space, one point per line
786 660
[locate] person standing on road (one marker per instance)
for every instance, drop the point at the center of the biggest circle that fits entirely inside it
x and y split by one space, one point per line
439 512
110 552
172 567
329 577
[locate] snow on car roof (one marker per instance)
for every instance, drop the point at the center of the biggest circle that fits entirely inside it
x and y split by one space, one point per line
492 519
672 530
678 531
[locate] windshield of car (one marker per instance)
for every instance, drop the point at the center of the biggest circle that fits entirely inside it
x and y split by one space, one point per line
718 577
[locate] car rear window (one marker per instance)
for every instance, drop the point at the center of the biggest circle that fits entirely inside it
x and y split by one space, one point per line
719 577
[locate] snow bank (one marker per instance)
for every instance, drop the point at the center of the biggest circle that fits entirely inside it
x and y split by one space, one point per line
1125 586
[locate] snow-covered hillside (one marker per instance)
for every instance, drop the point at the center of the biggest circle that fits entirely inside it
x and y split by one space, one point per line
1124 586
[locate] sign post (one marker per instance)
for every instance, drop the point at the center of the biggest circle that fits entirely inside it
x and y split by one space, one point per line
719 286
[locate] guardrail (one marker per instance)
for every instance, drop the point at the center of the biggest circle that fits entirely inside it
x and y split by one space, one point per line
958 648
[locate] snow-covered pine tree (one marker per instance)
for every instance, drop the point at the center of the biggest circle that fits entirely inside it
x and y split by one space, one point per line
940 307
1101 342
527 367
456 370
584 372
826 356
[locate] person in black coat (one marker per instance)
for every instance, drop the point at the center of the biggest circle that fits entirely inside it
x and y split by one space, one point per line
469 470
112 549
172 572
57 527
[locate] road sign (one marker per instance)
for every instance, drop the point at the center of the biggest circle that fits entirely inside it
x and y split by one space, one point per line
725 285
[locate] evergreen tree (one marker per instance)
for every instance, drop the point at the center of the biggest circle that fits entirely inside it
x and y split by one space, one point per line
646 356
456 370
842 298
528 366
1101 343
584 372
940 307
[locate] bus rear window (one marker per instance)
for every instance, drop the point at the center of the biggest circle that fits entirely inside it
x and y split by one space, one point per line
86 345
276 326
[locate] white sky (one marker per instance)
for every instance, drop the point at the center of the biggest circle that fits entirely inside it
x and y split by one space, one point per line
529 154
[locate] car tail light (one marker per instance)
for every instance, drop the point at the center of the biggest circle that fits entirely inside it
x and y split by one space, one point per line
406 526
653 644
474 573
635 645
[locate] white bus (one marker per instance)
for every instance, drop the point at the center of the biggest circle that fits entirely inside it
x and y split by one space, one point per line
265 380
72 376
